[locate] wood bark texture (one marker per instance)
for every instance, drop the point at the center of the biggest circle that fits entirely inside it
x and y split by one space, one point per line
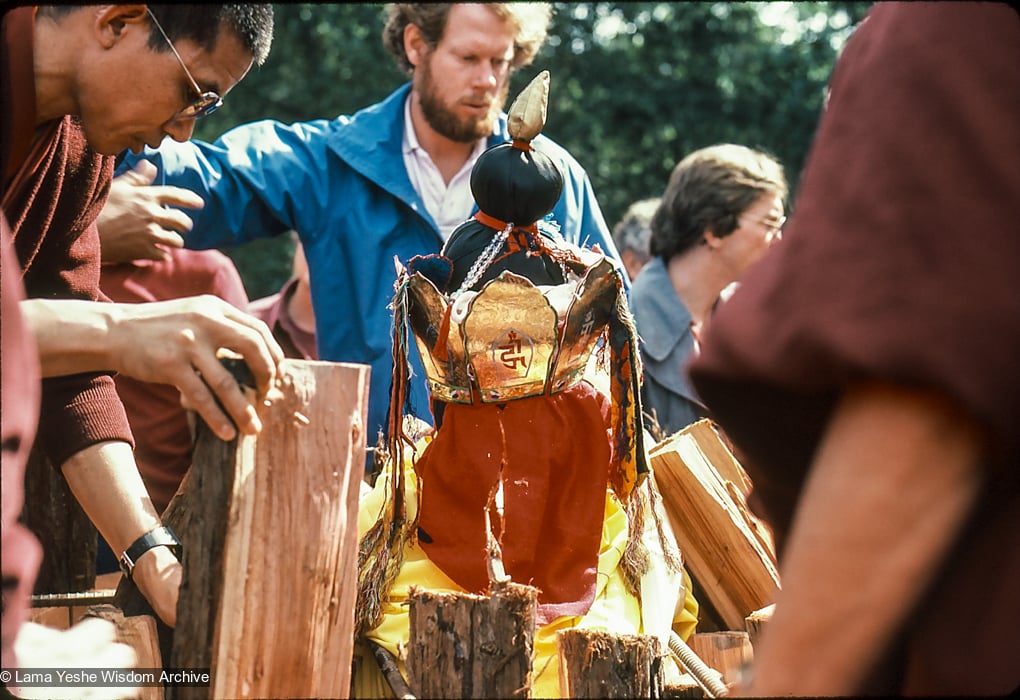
598 664
684 687
470 646
68 538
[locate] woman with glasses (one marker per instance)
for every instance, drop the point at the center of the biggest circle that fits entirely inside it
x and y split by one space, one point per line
722 209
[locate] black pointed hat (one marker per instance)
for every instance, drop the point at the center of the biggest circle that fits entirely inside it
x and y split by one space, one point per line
513 182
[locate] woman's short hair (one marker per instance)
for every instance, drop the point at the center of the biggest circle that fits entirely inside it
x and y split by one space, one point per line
708 191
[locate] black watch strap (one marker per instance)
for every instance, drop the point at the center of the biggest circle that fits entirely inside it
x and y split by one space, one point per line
161 536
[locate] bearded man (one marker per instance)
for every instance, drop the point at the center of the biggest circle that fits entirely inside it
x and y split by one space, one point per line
391 181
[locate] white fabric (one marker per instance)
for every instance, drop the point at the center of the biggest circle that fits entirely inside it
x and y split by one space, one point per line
448 204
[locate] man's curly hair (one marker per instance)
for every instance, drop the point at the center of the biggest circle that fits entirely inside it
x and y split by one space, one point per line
529 19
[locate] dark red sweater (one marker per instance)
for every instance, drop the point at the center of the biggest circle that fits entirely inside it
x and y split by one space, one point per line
51 202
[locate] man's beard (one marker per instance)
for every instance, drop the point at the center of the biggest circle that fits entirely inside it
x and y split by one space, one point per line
444 122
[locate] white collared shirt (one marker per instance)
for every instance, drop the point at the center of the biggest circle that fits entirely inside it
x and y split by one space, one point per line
449 205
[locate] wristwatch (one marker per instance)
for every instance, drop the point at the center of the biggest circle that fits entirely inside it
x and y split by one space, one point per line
161 536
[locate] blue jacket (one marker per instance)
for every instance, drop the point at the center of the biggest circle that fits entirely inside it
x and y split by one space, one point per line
342 185
667 345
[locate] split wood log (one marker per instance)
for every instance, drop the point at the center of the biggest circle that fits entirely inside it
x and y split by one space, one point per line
138 632
69 539
58 617
286 620
755 623
198 514
721 540
598 664
719 455
727 652
464 645
704 675
269 529
685 687
64 610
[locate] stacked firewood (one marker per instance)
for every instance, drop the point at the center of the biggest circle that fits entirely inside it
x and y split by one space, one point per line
728 551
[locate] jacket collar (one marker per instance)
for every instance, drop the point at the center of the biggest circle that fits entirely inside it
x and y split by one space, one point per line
371 143
667 319
666 338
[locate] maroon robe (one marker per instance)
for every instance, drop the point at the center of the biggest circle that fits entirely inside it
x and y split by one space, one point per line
56 188
900 264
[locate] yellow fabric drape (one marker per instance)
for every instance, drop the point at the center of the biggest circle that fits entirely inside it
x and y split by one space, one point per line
615 609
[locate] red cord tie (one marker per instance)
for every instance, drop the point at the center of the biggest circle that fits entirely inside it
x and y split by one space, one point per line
521 238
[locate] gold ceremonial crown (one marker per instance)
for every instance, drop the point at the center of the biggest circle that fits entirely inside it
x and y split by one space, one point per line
511 339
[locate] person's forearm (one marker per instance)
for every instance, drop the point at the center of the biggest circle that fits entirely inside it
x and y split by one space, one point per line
72 334
894 478
105 481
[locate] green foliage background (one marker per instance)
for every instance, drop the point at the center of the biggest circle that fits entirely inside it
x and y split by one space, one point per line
635 87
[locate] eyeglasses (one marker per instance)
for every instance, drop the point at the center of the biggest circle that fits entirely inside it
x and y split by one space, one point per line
207 102
773 228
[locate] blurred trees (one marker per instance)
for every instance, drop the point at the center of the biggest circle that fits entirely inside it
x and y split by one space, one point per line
635 87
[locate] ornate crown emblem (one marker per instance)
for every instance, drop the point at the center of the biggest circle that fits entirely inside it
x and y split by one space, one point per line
512 339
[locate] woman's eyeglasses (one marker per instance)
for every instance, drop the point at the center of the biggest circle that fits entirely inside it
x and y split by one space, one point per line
773 227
